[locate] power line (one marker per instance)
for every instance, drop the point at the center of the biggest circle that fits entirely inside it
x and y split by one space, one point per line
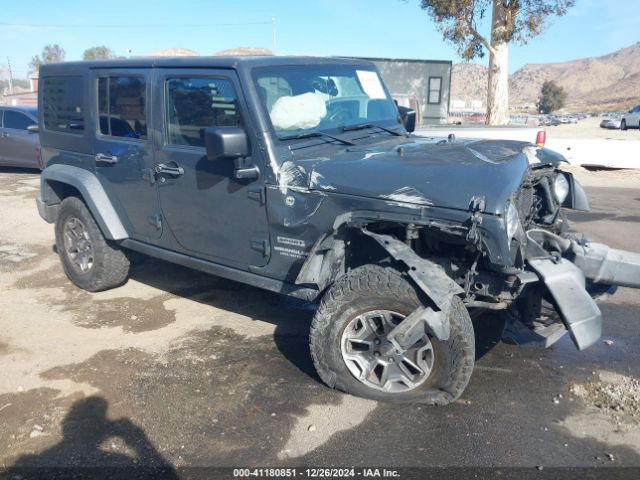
164 25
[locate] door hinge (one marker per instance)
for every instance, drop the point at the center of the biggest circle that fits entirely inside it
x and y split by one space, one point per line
257 194
155 220
149 174
261 245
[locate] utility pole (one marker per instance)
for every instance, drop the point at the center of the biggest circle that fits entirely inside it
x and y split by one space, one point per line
273 33
10 76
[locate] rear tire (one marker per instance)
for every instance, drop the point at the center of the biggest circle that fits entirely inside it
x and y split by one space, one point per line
90 261
376 289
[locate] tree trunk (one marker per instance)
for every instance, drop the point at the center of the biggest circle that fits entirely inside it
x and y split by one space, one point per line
498 90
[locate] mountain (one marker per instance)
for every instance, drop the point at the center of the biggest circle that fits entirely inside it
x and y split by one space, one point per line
609 82
175 52
242 51
469 84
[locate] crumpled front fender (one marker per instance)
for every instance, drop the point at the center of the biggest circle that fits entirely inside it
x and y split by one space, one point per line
433 281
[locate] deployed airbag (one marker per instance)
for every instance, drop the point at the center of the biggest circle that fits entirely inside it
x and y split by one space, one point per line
298 111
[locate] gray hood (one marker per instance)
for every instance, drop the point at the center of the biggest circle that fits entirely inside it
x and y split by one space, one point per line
423 171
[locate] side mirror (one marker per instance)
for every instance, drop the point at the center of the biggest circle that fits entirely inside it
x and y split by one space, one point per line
225 143
33 129
408 118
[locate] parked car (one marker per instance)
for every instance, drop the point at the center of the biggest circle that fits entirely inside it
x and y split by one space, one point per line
611 123
19 142
300 175
631 119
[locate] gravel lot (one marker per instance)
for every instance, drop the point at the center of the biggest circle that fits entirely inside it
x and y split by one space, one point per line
185 369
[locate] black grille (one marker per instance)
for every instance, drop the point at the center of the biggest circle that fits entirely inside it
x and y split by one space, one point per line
524 203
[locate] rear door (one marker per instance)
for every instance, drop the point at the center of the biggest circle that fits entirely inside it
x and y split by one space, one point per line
18 144
211 214
123 150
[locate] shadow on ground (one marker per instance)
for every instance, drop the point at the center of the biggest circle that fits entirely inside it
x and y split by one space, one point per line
87 448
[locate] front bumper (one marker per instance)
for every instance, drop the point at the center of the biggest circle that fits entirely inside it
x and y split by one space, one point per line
564 265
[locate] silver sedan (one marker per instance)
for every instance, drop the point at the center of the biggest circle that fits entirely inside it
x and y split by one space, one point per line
613 123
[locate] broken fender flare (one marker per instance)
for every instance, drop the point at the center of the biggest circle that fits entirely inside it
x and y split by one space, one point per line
433 281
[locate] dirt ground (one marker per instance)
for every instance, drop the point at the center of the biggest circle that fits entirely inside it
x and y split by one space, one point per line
179 368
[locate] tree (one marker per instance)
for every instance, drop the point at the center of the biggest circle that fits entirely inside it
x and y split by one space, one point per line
98 53
50 54
552 97
511 21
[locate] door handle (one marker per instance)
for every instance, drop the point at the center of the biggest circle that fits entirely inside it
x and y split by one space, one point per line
105 158
173 171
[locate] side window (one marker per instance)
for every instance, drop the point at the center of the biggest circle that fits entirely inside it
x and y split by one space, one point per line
16 120
435 90
195 103
62 104
122 106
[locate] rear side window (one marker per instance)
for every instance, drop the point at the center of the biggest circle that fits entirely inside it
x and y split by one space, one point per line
16 120
62 104
195 103
122 106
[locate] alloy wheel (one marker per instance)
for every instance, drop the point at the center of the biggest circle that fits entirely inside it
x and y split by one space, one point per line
374 361
77 245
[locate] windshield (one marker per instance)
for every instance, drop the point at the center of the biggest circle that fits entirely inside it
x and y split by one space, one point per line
305 99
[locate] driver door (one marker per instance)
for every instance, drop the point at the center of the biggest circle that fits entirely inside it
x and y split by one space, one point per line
209 212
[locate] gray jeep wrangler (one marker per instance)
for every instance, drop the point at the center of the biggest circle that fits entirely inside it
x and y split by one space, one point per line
301 176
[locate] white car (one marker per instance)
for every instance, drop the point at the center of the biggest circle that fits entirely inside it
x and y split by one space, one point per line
631 119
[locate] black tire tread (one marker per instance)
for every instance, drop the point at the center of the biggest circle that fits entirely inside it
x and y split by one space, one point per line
368 279
111 268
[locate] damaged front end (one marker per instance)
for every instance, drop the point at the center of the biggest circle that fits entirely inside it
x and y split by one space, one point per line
574 272
499 239
523 261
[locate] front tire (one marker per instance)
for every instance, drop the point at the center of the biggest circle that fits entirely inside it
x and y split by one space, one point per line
623 125
90 261
431 372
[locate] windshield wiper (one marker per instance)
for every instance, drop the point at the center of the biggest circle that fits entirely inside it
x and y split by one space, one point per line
350 128
317 134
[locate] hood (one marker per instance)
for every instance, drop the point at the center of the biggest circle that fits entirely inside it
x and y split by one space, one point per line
423 171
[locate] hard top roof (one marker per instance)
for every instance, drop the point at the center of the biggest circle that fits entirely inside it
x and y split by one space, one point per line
231 62
22 108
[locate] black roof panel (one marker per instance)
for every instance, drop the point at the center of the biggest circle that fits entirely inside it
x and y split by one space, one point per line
243 62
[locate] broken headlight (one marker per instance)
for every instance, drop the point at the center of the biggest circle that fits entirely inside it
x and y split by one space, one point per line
561 187
512 221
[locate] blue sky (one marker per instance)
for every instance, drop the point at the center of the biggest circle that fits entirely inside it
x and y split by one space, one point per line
375 28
